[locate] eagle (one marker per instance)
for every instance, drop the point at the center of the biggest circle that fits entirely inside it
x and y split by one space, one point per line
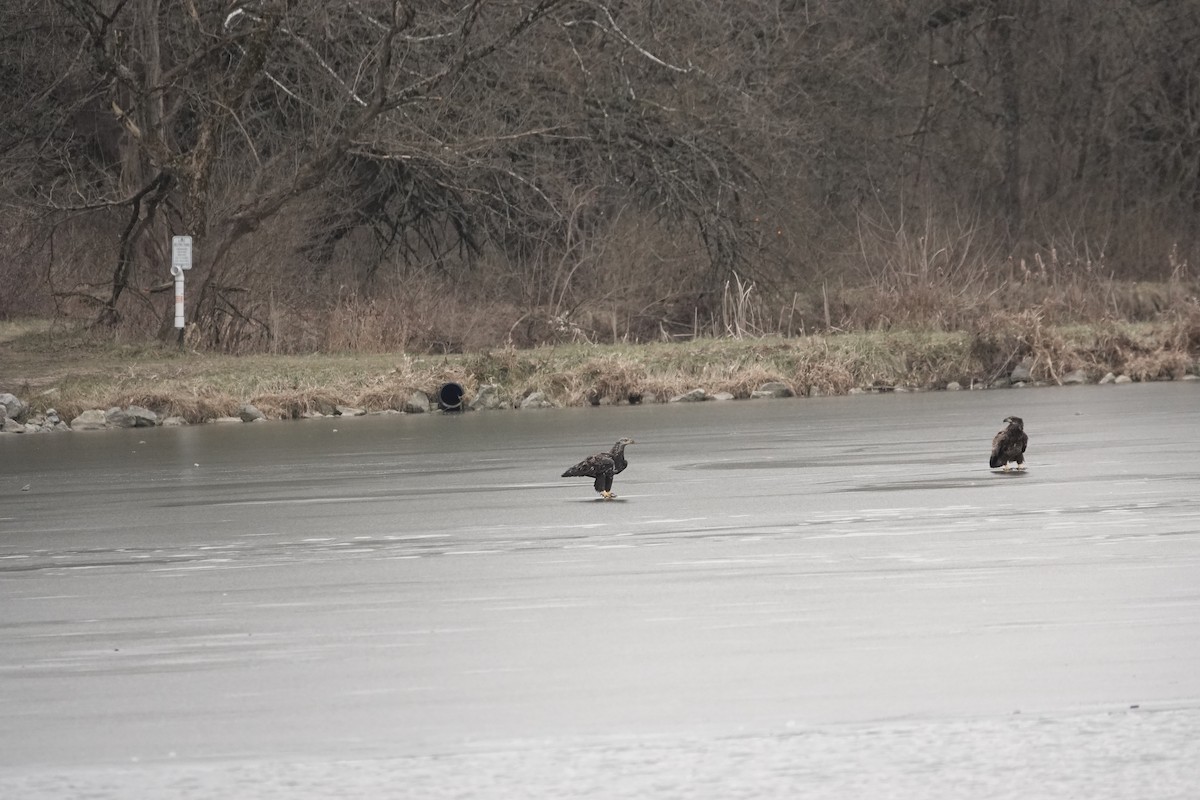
602 467
1009 445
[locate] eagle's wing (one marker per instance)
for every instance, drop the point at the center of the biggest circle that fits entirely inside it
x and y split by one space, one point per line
998 445
596 466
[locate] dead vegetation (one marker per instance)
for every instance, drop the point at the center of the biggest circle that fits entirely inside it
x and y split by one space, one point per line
443 178
199 386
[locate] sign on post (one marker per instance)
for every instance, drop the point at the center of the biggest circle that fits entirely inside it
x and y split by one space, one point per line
181 259
181 252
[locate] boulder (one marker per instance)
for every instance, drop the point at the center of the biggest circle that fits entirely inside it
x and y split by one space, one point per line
1074 377
132 417
487 398
53 422
349 411
721 396
1022 372
536 400
145 418
247 412
953 386
10 425
174 422
90 420
774 389
12 406
417 403
1108 378
224 420
694 396
1123 379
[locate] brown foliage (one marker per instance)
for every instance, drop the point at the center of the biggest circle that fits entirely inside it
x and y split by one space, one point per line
448 177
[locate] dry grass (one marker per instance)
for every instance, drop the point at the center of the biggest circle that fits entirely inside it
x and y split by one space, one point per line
76 369
1167 348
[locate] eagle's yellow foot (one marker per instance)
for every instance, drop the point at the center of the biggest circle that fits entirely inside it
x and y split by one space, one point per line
605 494
611 495
1004 468
1020 467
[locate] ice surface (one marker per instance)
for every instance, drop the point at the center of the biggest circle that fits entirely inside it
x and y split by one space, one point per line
819 598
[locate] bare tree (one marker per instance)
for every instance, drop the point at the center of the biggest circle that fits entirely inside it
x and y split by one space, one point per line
440 129
561 154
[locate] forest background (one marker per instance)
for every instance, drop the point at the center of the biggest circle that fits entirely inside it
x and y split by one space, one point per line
446 176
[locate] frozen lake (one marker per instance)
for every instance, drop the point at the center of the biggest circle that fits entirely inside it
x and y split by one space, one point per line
798 598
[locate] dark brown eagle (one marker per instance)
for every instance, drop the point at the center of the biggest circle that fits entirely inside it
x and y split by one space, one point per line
602 467
1009 445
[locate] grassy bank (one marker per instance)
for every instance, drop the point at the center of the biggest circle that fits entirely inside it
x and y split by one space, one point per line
72 370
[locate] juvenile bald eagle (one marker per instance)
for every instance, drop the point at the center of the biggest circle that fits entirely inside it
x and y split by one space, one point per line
1009 445
602 467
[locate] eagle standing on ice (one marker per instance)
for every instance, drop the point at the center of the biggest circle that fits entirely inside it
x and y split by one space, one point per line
602 467
1009 445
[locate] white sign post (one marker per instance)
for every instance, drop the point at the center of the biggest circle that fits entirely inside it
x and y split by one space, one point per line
181 259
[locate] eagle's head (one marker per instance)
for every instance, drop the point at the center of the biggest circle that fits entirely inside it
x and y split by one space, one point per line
1020 423
619 447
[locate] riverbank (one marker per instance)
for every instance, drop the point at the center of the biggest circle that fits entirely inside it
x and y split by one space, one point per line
68 371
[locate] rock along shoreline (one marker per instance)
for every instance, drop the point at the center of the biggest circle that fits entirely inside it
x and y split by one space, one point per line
16 416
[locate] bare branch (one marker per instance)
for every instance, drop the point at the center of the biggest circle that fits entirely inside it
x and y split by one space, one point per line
613 28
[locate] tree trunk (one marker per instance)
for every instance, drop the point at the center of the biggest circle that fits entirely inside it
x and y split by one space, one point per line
1010 115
